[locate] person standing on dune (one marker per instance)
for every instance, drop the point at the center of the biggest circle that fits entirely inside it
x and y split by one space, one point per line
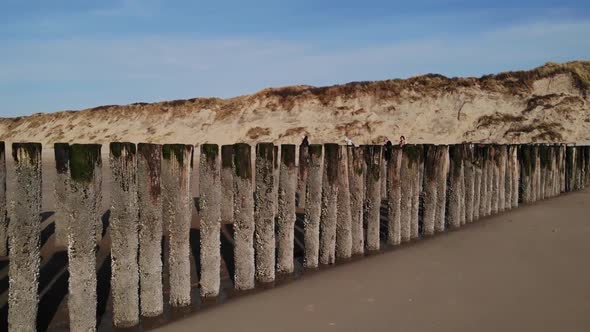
305 141
348 141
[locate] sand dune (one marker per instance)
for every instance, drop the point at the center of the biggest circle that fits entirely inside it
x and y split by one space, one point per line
549 103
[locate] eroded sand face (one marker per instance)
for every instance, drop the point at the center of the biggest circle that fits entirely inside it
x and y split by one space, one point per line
545 104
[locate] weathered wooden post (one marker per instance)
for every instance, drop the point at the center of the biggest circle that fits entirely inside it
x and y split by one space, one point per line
515 176
495 178
383 176
469 179
570 156
548 175
98 201
286 209
539 169
394 162
442 174
561 168
210 206
533 173
409 176
455 193
373 158
276 172
3 210
561 156
124 223
536 174
502 159
508 178
525 171
555 182
329 204
579 167
23 238
356 179
62 167
313 204
587 164
303 171
557 169
149 198
176 169
82 196
545 170
264 217
490 165
462 198
343 212
430 189
243 218
227 184
418 169
476 162
406 179
484 194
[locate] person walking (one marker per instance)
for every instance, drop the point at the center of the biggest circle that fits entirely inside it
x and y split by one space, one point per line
402 141
348 141
305 141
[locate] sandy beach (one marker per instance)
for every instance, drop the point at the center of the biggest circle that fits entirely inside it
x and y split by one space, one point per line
523 270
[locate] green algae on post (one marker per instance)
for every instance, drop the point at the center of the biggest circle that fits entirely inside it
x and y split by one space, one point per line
62 157
242 161
83 161
33 152
210 151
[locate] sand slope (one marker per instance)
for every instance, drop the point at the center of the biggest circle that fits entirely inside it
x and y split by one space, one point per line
549 103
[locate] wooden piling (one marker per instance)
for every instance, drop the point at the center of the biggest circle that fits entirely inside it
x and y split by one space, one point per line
430 189
149 198
313 206
264 217
442 174
286 209
329 204
477 176
210 213
469 180
343 212
82 196
303 173
62 167
23 238
227 184
124 225
394 162
3 209
454 191
177 208
418 173
372 154
243 218
356 181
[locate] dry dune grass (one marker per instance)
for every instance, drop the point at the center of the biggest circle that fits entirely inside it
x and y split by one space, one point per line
547 103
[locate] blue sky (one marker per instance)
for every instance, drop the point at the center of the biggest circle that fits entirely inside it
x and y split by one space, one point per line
73 54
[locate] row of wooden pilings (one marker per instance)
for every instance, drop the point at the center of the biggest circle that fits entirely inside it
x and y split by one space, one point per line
426 188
